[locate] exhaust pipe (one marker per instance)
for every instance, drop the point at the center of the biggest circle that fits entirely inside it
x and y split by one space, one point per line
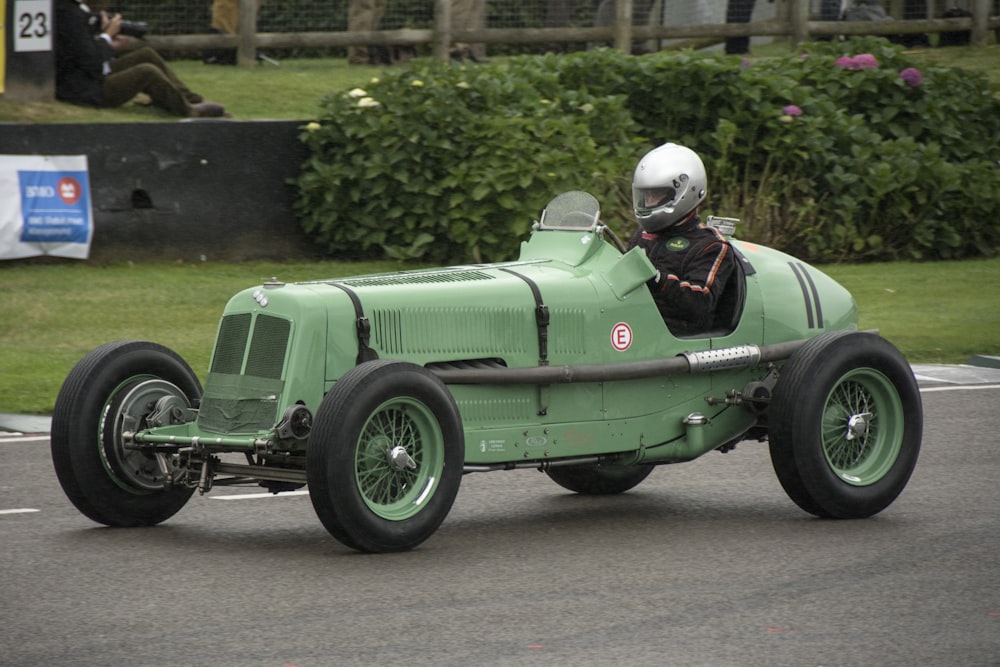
706 361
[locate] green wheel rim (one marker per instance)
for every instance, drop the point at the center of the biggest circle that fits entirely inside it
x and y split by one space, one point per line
398 458
863 425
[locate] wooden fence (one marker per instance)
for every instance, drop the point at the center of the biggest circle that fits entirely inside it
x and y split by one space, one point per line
794 23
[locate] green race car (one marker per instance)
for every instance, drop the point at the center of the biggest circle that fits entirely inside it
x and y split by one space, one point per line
380 392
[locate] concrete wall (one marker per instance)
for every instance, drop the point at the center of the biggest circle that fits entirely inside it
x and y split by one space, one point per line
186 190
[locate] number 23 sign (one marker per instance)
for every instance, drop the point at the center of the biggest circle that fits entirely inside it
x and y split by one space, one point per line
33 29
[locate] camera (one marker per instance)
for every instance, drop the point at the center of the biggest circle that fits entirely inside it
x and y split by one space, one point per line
137 29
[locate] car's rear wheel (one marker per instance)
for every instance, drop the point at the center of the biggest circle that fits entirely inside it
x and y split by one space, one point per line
845 425
384 460
111 390
598 480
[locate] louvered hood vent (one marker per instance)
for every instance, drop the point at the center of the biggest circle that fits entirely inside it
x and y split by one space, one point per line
417 278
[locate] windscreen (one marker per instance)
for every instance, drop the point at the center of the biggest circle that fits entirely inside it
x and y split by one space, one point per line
571 210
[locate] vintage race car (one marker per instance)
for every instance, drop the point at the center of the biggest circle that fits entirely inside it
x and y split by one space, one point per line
380 392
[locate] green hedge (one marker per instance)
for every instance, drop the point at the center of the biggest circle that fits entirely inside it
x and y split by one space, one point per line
828 158
450 164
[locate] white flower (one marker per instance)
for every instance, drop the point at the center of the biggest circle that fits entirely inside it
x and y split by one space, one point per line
366 102
312 127
357 92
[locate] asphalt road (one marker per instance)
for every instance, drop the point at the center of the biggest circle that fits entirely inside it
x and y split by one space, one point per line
705 563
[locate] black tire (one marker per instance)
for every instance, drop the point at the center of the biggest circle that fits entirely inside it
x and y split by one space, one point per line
845 425
598 480
385 456
108 391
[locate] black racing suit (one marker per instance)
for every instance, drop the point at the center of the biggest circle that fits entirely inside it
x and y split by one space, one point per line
693 263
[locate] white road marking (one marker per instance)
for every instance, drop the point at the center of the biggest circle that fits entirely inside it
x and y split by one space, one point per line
961 387
249 496
25 510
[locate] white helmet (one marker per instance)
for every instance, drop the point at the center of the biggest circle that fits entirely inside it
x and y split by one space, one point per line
668 184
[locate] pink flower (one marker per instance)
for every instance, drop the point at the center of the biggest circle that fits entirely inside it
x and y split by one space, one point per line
911 76
865 61
792 110
744 63
846 62
862 61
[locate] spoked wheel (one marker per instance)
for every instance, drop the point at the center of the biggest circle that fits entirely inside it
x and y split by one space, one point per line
384 460
845 424
598 480
113 389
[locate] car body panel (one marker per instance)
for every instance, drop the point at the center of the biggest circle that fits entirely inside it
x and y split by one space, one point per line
285 344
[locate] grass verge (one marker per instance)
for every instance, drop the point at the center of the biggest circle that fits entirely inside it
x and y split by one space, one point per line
51 315
289 91
54 314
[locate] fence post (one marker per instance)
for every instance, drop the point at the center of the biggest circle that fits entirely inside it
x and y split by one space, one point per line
442 30
623 25
246 44
980 17
798 11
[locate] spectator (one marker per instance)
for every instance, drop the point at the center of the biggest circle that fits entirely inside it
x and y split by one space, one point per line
468 15
225 21
226 16
363 16
740 11
89 72
644 12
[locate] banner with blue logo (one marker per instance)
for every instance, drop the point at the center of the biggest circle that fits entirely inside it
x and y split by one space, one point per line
45 206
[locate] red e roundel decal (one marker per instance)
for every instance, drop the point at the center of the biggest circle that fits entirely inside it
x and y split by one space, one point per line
621 336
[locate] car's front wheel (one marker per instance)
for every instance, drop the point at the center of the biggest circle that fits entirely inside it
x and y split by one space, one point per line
845 425
385 456
111 390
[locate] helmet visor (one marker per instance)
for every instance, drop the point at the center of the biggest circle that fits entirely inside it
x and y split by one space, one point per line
648 199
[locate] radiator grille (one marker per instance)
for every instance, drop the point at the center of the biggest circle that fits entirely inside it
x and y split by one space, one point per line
267 349
238 400
231 344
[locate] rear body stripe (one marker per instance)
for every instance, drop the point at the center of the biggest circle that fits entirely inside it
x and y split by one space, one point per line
807 295
815 296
